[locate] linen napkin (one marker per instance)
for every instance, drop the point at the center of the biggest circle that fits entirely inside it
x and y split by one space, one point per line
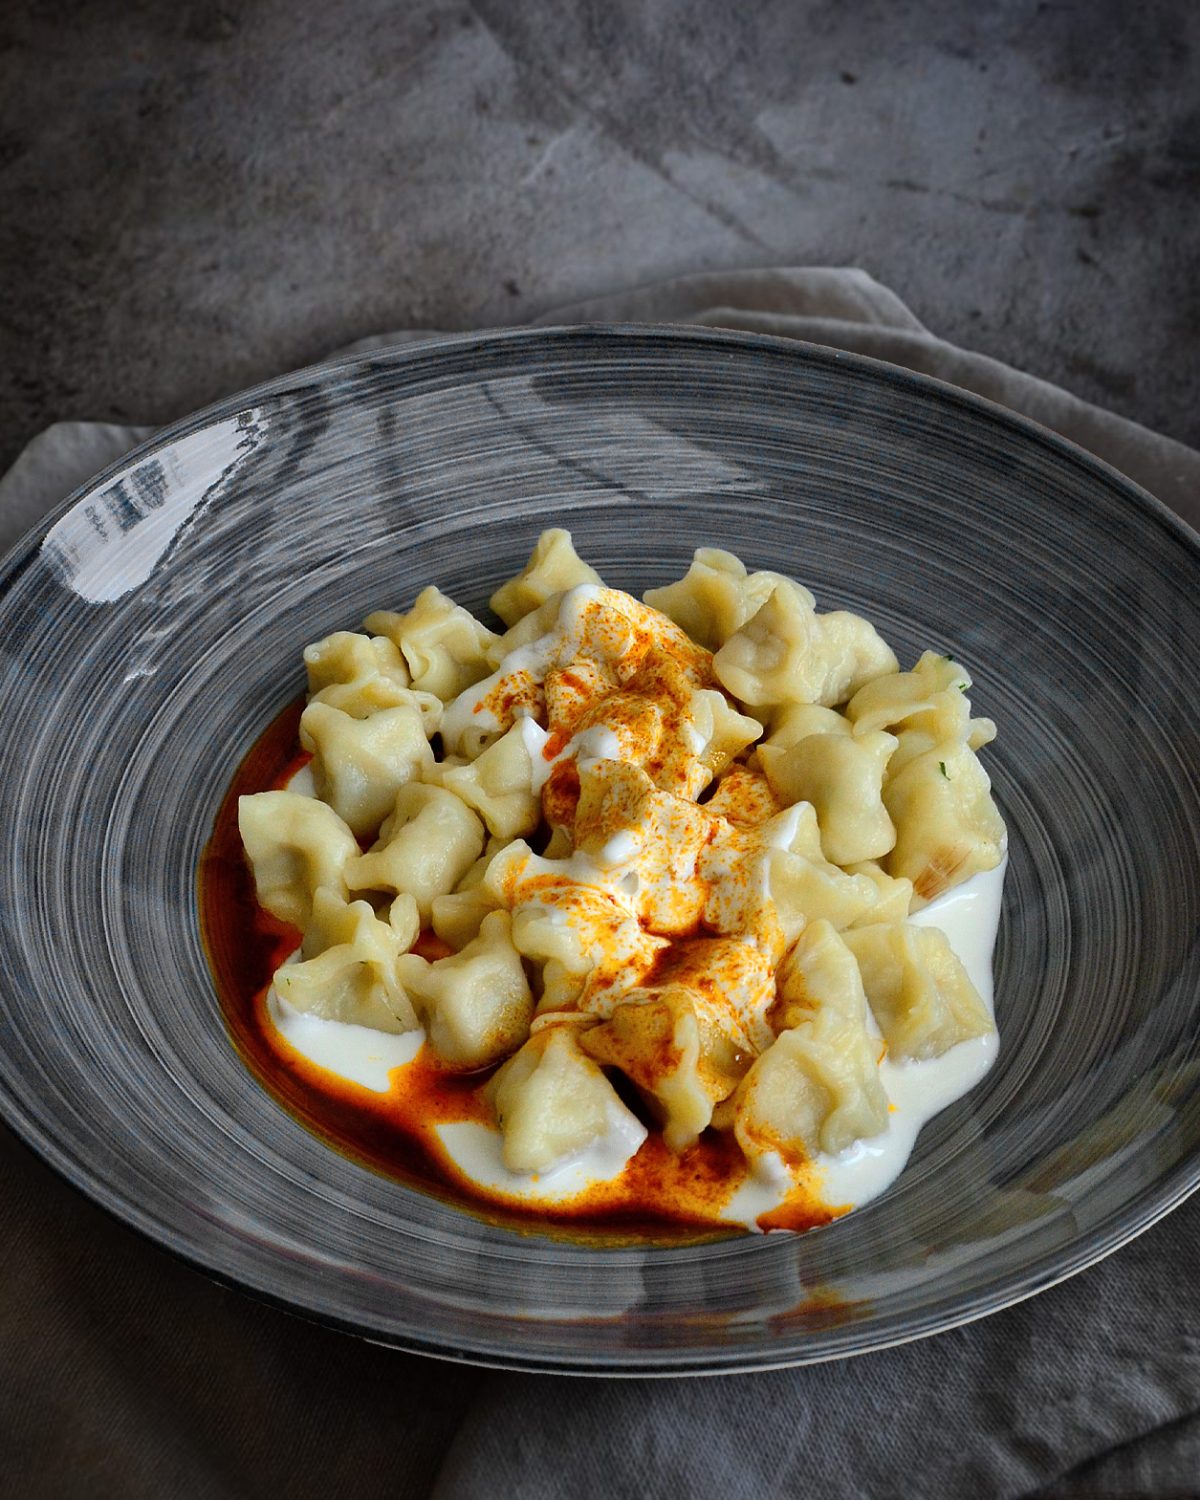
128 1374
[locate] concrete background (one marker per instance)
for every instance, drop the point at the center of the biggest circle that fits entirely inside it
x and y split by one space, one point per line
197 195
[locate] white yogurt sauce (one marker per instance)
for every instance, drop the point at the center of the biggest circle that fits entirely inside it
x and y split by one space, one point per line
476 1150
356 1053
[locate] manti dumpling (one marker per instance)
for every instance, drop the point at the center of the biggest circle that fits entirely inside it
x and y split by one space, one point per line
918 990
553 567
792 873
787 653
817 1087
498 785
743 796
683 1048
346 656
348 967
589 948
443 645
552 1101
931 698
893 894
456 916
476 1004
841 774
426 845
717 596
723 731
295 846
358 765
947 826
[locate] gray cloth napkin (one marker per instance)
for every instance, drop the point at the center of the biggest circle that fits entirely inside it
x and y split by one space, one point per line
129 1375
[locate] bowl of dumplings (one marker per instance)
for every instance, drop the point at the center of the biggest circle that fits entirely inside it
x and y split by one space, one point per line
611 850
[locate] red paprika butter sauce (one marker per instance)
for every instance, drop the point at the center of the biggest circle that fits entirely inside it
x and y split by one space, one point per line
659 1195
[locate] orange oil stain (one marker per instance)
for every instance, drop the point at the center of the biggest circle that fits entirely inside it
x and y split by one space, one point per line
660 1196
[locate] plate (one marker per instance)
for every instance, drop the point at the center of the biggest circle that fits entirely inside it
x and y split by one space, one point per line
153 626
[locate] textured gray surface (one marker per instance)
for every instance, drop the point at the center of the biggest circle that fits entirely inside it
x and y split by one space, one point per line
196 196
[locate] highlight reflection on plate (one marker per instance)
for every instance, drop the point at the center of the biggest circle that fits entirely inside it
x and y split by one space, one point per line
152 628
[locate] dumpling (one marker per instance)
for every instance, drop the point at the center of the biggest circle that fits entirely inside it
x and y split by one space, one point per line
717 596
498 784
427 844
793 722
361 675
841 775
774 657
818 972
806 889
371 695
926 707
917 988
553 567
736 980
817 1088
786 653
680 1049
345 656
348 966
552 1101
769 879
645 843
335 920
933 695
589 947
723 731
591 950
947 826
359 765
572 690
538 622
444 646
476 1005
295 846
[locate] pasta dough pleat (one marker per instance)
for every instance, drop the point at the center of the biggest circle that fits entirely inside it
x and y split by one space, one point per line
918 990
359 765
787 653
444 646
426 845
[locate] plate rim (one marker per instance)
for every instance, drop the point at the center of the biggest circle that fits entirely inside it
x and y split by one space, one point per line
1049 1269
400 353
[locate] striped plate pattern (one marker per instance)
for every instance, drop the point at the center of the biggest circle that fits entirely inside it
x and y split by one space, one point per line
153 626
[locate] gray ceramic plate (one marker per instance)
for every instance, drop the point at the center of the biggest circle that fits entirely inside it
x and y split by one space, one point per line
154 627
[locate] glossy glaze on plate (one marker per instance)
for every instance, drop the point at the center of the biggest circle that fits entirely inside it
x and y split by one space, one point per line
151 630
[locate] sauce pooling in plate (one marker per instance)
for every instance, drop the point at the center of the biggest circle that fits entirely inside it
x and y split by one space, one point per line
385 1100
